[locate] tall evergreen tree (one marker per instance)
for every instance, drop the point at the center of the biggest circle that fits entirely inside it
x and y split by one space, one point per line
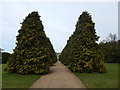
81 52
34 53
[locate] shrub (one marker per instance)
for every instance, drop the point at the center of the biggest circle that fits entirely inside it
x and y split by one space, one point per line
34 53
81 53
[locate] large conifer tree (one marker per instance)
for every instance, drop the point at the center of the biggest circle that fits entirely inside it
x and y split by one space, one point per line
34 53
81 52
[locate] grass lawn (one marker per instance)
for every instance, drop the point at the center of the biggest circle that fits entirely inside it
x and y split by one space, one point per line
101 80
10 80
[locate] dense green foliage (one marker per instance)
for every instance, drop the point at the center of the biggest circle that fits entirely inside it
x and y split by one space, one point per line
34 53
81 53
5 56
110 50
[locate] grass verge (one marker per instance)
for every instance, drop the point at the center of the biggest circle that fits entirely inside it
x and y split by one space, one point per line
10 80
101 80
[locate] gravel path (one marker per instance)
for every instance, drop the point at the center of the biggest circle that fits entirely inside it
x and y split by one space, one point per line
58 77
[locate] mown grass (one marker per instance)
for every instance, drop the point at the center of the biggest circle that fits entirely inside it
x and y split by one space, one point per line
10 80
101 80
91 80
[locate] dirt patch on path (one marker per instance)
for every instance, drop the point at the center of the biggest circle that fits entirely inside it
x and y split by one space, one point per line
58 77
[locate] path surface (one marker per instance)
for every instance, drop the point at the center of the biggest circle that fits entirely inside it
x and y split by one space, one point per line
58 77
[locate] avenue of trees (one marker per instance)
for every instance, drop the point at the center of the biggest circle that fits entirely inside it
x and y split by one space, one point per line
34 52
82 54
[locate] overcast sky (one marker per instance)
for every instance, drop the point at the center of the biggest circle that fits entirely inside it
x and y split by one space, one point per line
59 20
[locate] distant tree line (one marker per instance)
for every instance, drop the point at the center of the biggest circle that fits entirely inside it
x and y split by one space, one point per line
110 49
4 57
